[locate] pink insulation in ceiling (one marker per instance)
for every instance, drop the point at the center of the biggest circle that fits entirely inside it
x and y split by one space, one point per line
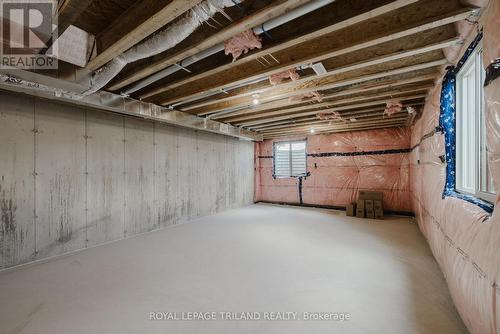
242 43
280 77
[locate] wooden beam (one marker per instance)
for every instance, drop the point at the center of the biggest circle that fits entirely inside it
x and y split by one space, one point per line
365 88
277 8
314 121
288 44
324 105
306 129
69 11
372 121
135 24
314 86
337 109
285 103
241 77
363 128
222 104
346 114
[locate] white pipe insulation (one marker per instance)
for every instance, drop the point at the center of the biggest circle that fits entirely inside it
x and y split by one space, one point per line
273 23
159 42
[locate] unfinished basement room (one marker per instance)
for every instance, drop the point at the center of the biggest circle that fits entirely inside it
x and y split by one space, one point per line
249 166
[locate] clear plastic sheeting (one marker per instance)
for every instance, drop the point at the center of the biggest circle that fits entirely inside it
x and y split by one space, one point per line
464 239
338 170
159 42
242 43
491 43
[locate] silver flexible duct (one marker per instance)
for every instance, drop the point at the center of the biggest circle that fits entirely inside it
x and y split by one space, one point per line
165 39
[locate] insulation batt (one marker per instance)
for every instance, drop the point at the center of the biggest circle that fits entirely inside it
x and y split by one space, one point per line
336 180
333 116
464 239
242 43
311 95
278 78
159 42
393 107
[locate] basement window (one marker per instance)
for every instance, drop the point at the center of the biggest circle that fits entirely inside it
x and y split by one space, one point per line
290 159
473 174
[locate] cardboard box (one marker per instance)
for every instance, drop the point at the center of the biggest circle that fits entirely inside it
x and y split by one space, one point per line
369 209
378 209
350 210
360 208
369 194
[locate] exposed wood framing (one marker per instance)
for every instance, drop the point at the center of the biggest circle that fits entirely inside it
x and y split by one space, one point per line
228 102
394 86
280 47
140 21
320 107
68 13
335 130
276 9
224 80
272 118
371 52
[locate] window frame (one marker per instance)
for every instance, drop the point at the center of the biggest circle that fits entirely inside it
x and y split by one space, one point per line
290 142
477 131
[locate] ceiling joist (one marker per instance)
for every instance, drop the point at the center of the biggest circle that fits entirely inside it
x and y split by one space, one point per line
231 78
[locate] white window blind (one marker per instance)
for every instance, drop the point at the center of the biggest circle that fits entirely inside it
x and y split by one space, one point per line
290 159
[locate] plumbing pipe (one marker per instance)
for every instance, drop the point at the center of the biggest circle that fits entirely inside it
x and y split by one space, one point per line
165 39
273 23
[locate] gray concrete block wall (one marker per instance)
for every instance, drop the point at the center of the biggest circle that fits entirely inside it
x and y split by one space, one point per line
72 178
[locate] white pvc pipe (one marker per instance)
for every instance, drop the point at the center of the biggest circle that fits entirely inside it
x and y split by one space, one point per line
273 23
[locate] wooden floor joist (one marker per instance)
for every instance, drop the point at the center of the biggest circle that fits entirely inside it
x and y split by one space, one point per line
277 8
394 85
325 85
221 105
351 59
271 118
347 127
265 51
339 125
194 90
137 23
361 128
378 110
68 13
359 116
319 107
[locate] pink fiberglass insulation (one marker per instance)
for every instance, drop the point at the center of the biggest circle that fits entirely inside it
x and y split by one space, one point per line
302 97
335 180
336 116
491 43
242 43
393 107
464 239
278 78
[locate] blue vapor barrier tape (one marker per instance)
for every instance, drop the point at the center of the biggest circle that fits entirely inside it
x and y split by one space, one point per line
447 121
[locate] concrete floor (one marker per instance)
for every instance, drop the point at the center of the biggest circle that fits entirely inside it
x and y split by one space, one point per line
261 258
